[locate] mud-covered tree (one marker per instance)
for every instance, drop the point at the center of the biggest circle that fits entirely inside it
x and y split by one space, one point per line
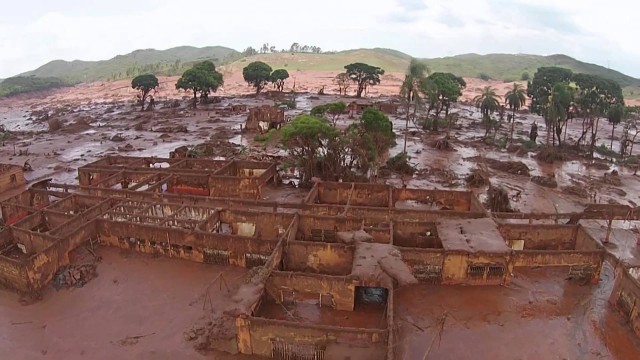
539 90
257 74
307 139
410 92
343 81
201 79
278 78
363 75
594 98
614 116
515 99
556 110
442 90
488 102
369 140
144 84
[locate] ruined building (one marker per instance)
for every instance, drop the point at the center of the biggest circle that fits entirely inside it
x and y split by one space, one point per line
341 251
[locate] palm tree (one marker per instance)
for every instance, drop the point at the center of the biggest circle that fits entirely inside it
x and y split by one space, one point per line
488 103
416 73
515 99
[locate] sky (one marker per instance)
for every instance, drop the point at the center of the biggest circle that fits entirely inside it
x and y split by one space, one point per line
35 32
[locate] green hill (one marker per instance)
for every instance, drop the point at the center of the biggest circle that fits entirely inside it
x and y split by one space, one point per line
503 67
390 60
510 67
161 62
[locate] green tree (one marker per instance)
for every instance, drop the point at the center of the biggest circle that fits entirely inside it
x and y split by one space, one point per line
201 78
144 84
557 107
539 90
363 75
278 77
515 98
307 139
594 97
370 140
614 116
335 110
442 90
257 74
410 91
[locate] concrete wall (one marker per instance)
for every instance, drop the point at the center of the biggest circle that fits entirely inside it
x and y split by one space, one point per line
414 234
255 334
323 258
626 297
11 177
541 237
181 243
342 289
456 265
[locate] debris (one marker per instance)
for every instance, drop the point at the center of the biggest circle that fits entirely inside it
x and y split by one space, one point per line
132 340
477 178
498 199
443 144
546 181
550 154
350 237
74 276
117 138
27 166
400 164
578 191
511 167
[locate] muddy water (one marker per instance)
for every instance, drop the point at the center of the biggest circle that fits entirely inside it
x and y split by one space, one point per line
133 295
539 316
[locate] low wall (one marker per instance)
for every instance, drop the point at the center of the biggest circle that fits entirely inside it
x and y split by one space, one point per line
341 288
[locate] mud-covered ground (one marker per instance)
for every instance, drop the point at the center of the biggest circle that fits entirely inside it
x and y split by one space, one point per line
540 316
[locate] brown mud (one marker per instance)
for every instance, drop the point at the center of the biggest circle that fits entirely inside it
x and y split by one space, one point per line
139 307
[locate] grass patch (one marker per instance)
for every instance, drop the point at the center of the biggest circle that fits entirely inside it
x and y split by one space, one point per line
605 151
266 137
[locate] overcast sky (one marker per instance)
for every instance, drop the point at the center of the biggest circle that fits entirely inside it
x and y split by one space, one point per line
37 31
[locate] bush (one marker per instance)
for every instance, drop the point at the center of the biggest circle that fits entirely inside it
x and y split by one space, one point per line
529 145
267 137
427 124
400 164
525 76
632 160
605 151
484 76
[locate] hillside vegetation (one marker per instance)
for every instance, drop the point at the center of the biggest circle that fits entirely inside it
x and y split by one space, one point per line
390 60
24 84
175 61
160 62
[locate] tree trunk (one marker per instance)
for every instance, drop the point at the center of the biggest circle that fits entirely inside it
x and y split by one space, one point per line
613 128
195 98
143 97
406 127
548 133
360 89
513 120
